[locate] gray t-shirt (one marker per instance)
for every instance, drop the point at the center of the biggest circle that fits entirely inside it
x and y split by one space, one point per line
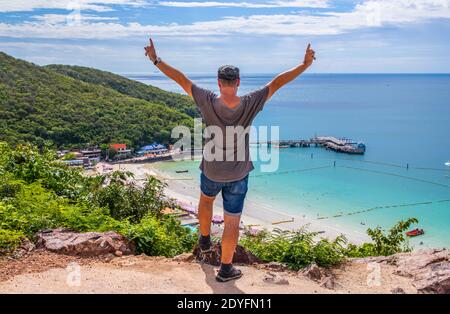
236 163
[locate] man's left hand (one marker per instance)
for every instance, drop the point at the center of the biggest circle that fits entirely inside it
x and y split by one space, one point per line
150 51
309 56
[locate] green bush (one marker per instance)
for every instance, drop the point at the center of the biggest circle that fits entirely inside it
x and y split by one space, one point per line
9 240
25 163
32 209
161 236
301 248
328 253
82 218
384 244
128 201
295 249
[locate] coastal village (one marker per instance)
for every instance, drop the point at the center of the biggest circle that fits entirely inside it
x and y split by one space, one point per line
88 158
120 152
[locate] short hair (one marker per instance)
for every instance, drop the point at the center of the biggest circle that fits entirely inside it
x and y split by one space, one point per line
228 73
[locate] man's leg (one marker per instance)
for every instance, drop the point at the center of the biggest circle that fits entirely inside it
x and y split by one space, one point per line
205 213
233 195
230 237
209 190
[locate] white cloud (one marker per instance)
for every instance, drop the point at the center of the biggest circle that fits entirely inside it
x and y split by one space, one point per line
372 13
267 4
64 18
93 5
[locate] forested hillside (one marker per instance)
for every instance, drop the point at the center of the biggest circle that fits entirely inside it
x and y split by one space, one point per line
128 87
38 104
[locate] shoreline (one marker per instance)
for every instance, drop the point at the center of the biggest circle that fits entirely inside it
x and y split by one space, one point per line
255 213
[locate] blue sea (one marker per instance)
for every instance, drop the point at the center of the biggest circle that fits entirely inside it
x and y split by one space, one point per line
404 120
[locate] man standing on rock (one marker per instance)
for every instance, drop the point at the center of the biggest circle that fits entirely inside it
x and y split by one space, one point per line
225 168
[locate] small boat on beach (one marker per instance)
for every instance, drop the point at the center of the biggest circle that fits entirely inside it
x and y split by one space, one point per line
282 221
181 171
415 233
281 146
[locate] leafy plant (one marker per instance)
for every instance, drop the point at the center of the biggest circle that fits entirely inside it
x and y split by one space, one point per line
389 243
125 200
9 240
69 156
295 249
301 248
164 236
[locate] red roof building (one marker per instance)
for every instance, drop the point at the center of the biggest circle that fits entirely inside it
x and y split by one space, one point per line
118 147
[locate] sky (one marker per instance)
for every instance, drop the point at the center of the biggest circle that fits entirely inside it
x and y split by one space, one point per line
260 36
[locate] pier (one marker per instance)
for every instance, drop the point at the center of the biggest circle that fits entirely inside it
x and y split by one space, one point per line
343 145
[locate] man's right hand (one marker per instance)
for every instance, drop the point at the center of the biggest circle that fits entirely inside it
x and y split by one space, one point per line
150 51
168 70
309 56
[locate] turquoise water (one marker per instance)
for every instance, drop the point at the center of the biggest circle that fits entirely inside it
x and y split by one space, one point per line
191 228
403 119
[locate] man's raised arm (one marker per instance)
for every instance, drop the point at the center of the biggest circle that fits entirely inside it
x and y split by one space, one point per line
169 71
288 76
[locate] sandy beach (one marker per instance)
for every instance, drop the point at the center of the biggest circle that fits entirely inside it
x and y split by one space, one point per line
255 213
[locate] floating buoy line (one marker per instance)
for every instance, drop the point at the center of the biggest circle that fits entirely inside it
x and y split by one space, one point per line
352 168
383 206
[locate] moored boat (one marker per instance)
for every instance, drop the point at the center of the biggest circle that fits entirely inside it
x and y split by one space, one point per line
415 232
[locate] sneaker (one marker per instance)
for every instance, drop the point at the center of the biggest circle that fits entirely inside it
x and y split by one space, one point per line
205 247
223 276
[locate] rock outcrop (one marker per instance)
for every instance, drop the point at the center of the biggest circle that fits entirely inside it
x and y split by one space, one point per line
275 278
23 249
313 272
84 244
428 269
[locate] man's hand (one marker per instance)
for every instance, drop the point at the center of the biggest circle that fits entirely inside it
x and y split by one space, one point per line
168 70
286 77
150 51
309 56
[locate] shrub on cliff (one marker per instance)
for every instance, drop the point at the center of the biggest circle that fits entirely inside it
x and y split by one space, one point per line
384 243
296 249
160 236
300 248
9 240
38 192
126 200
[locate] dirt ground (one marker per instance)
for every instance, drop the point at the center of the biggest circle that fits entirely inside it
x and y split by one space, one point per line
43 272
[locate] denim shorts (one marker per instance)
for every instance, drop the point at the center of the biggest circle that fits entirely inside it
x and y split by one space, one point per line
233 193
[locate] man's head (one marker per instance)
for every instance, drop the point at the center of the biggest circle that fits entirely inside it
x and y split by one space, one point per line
228 78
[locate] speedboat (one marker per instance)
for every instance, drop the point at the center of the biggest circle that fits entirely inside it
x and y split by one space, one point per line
447 163
415 233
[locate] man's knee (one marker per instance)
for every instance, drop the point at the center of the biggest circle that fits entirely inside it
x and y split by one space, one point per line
232 221
206 199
